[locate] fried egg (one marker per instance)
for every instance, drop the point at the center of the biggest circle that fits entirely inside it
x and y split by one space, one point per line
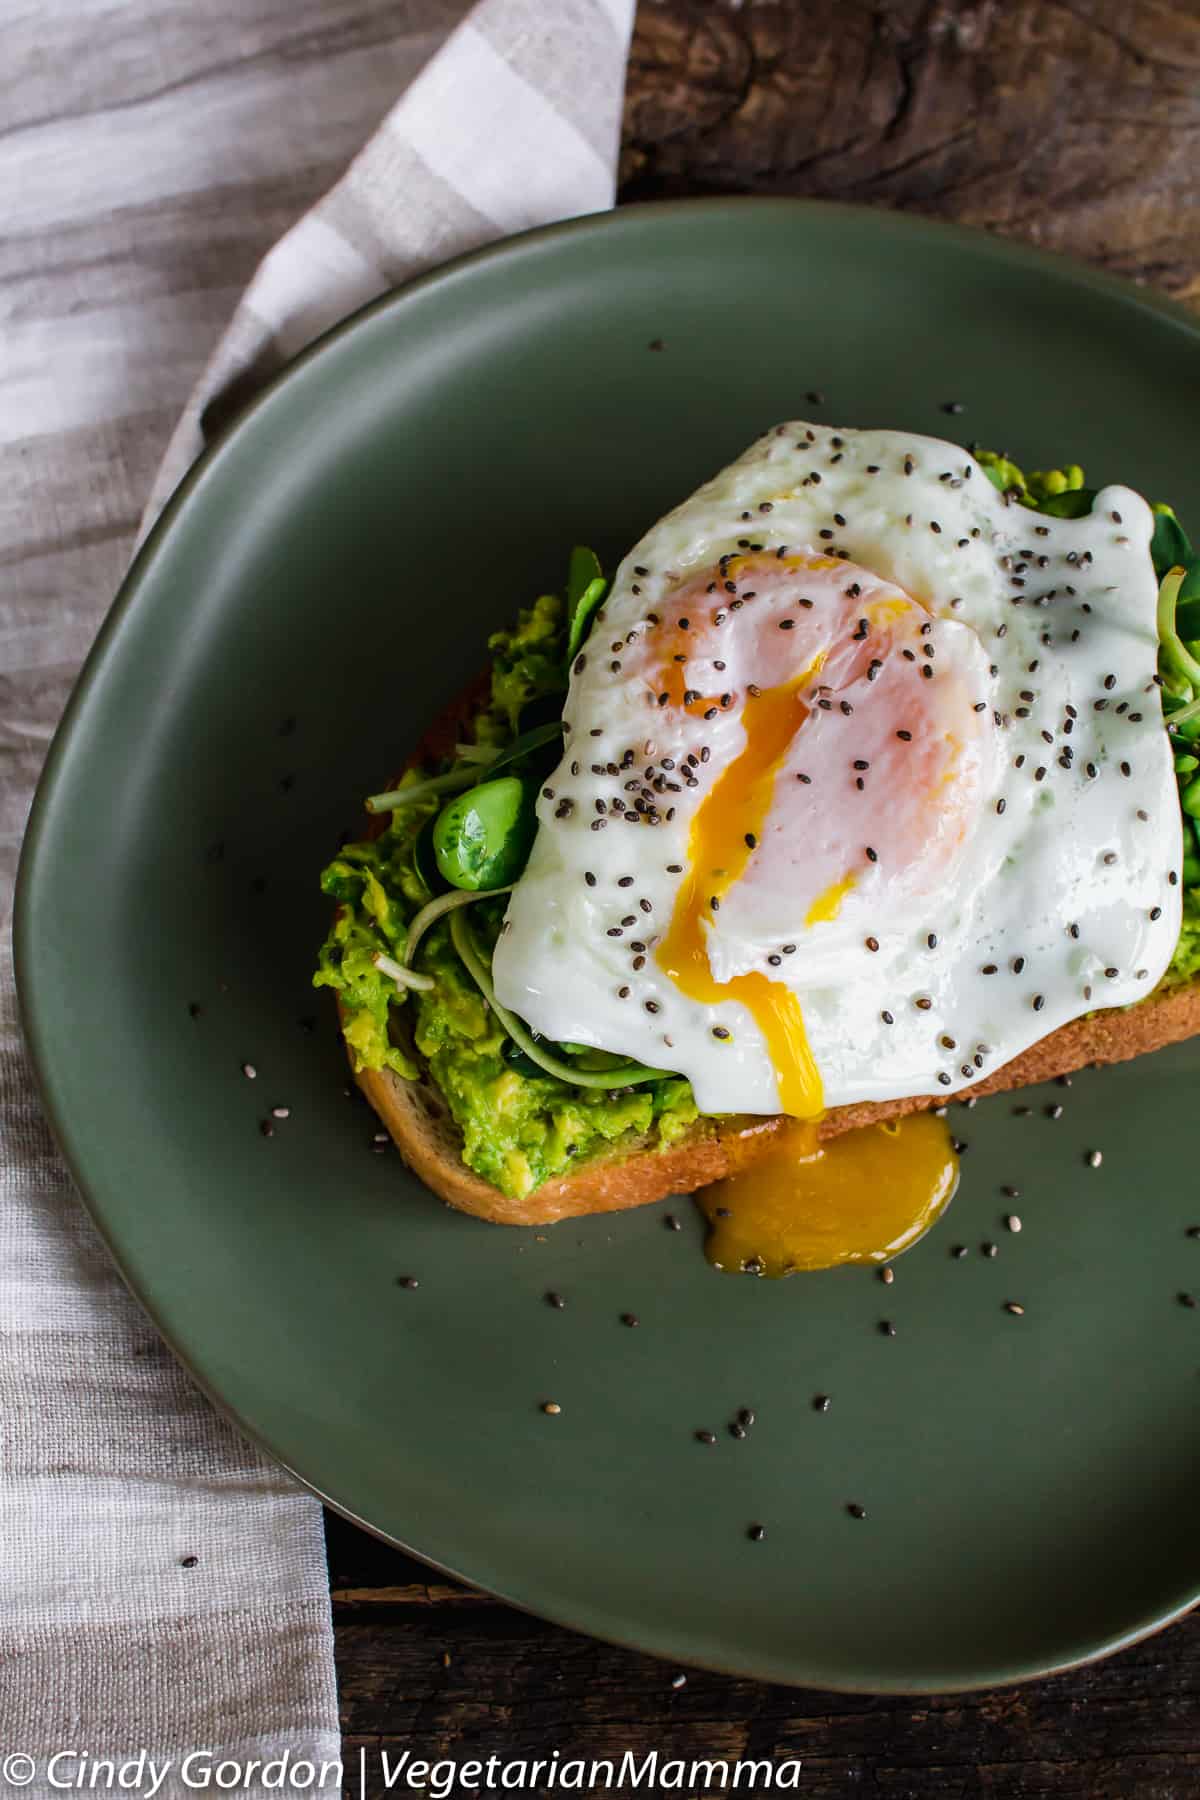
865 787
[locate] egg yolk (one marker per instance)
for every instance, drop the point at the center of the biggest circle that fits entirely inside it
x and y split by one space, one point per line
857 745
862 1197
721 840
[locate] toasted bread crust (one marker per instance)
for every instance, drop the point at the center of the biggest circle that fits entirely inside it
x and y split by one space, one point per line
419 1121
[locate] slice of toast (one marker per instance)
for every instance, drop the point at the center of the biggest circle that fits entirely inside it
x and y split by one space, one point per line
420 1123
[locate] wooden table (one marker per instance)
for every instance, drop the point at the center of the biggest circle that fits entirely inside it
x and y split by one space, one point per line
1072 124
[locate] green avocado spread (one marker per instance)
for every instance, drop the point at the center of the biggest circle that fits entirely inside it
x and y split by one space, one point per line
521 1125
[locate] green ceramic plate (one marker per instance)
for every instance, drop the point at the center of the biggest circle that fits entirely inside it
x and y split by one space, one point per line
320 586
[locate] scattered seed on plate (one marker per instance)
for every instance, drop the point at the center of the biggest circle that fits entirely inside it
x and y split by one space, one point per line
249 1071
281 1112
1094 1158
757 1533
266 1127
1012 1222
990 1249
856 1511
680 1680
1188 1300
672 1223
737 1431
705 1437
958 1251
630 1319
887 1276
556 1301
1014 1307
886 1328
552 1407
407 1281
821 1403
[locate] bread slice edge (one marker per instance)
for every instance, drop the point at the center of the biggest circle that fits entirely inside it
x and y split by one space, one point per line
420 1124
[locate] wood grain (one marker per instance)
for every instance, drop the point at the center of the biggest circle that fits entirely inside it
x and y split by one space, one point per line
1071 124
450 1674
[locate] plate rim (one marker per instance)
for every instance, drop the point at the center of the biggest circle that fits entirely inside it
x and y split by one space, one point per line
34 844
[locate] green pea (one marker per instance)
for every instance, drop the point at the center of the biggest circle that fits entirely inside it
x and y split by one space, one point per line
482 838
1191 869
1189 798
1185 764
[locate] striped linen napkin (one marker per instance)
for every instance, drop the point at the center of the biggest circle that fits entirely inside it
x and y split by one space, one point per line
164 1586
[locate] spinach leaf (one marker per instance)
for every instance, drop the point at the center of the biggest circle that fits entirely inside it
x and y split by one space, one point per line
1169 546
1073 503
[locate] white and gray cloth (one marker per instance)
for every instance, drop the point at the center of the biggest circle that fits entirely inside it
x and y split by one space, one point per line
163 1585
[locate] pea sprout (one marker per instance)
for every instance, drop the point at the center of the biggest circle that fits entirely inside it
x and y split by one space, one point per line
423 790
403 977
624 1075
1178 656
436 909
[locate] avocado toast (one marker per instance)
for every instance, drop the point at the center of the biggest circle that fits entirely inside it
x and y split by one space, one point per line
514 1128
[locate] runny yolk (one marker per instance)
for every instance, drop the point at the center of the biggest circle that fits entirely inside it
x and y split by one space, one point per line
722 834
828 905
859 1198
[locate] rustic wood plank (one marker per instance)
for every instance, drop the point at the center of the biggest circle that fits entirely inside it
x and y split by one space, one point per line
442 1671
1071 123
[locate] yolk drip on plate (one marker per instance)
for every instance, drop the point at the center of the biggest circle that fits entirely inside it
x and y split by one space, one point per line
867 1195
722 837
862 1197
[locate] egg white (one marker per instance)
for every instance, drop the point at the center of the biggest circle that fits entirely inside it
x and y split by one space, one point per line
1057 887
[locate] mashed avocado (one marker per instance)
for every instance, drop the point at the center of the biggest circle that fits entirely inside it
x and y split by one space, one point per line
521 1126
1185 964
